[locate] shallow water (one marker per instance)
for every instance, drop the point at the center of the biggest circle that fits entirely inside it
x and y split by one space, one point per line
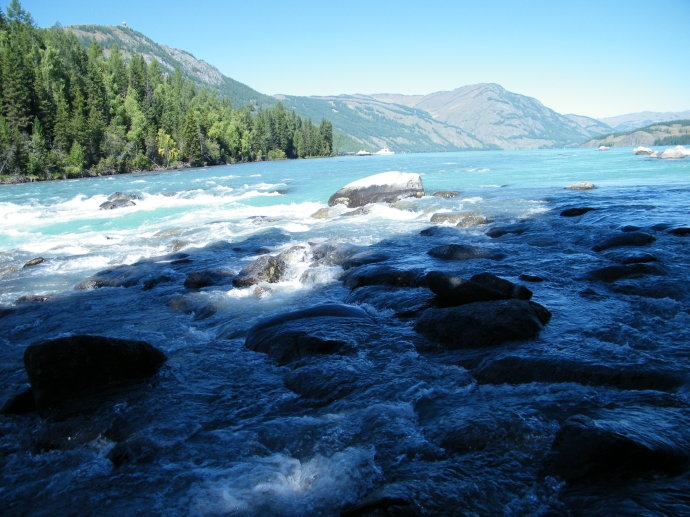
223 430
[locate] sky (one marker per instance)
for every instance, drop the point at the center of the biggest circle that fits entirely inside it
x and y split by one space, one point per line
597 58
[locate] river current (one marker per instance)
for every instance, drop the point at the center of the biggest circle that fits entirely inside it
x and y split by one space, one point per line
399 424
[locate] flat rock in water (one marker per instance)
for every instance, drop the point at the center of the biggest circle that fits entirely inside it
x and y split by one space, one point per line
483 324
625 239
574 212
380 274
463 252
266 268
387 187
621 443
76 366
319 330
620 271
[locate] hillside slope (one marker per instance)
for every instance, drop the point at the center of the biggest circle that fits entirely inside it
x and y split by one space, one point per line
676 132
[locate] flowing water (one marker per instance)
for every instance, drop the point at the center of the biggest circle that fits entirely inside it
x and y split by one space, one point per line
223 430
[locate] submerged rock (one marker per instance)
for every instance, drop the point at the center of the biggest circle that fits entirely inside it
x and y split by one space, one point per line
621 443
34 262
575 212
207 278
380 274
72 367
446 194
119 200
453 290
625 239
463 252
500 231
483 324
617 272
460 219
386 187
581 185
324 329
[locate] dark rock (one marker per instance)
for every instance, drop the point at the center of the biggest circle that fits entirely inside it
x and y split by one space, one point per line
631 257
683 231
483 324
385 187
119 200
32 298
137 449
523 370
614 273
323 381
660 227
446 194
363 258
574 212
625 239
463 252
20 404
383 507
266 268
439 231
453 290
500 231
34 262
530 278
72 367
380 274
207 278
324 329
145 274
630 228
333 254
406 303
620 443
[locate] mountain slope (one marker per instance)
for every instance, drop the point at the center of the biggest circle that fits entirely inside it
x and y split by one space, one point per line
200 72
374 124
501 118
676 132
643 119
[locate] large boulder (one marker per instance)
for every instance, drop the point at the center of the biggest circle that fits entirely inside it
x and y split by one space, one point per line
119 200
386 187
68 368
319 330
266 268
621 443
483 324
625 239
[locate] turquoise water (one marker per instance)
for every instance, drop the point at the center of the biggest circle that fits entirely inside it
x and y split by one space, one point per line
226 431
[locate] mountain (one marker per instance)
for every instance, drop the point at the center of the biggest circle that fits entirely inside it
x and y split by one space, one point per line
200 72
664 133
480 116
632 121
499 118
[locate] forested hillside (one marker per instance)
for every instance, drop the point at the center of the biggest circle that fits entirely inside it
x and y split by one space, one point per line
68 111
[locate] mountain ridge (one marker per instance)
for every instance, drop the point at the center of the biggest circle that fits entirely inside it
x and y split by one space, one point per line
479 116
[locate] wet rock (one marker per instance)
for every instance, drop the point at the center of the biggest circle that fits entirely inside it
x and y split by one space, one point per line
460 219
382 507
380 274
581 185
136 449
574 212
500 231
625 239
631 257
617 272
386 187
453 290
524 370
620 443
682 231
483 324
530 278
320 330
365 257
76 366
20 404
145 274
463 252
119 200
34 262
266 268
333 254
321 213
406 303
446 194
439 231
207 278
324 381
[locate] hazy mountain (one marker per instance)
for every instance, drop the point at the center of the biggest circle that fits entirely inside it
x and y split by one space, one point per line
664 133
200 72
643 119
500 118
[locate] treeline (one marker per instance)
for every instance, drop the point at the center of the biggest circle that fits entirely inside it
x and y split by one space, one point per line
67 111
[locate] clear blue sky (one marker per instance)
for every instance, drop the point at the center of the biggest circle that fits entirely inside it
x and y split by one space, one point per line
597 58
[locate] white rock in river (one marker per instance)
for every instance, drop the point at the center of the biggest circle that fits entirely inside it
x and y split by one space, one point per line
675 153
643 150
386 187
